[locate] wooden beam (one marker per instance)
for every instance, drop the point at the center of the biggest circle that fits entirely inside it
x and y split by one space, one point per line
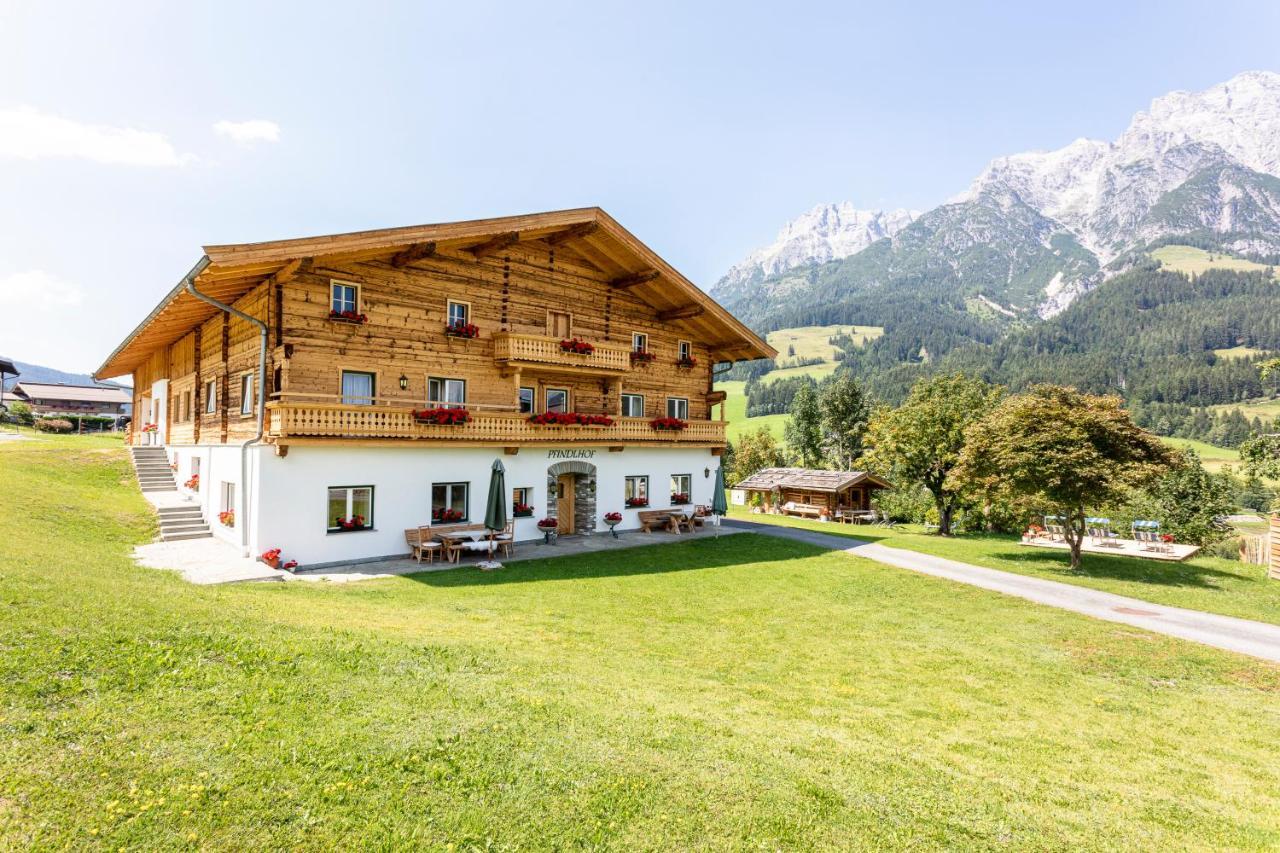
574 233
633 279
684 312
415 252
494 244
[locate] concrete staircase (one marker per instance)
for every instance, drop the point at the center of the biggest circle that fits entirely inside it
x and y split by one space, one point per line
179 521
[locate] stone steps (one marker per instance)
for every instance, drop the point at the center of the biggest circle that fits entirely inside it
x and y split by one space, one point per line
181 521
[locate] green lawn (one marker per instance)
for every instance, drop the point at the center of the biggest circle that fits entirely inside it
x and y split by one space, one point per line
1266 409
812 341
1213 457
1189 259
1204 583
735 693
735 409
1239 352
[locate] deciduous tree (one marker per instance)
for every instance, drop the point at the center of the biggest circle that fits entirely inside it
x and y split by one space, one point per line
845 413
803 432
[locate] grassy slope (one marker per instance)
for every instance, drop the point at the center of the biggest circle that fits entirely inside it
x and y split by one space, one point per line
1214 458
736 693
1189 259
1203 583
811 341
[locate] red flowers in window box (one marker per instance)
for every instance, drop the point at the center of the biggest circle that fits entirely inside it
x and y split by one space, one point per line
150 427
462 330
686 361
612 517
578 346
674 424
355 522
641 356
347 316
569 419
678 498
637 502
194 483
443 416
446 514
227 517
522 510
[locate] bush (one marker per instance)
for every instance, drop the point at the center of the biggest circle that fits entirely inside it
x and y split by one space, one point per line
53 425
1227 549
20 413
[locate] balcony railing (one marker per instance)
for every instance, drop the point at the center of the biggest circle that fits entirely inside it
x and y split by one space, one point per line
543 350
328 420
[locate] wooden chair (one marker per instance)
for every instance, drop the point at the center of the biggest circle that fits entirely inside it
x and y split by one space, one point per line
421 543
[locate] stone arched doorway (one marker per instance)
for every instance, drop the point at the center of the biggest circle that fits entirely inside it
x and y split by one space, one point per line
571 496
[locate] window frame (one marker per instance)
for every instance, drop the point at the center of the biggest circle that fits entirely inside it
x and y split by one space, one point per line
639 479
449 487
684 350
444 381
546 399
521 495
683 400
350 490
334 284
641 338
622 404
688 491
533 400
551 330
227 499
373 385
248 400
211 397
448 311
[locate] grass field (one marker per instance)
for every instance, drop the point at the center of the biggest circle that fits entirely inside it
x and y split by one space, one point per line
735 409
1204 583
811 341
1239 352
1189 259
740 693
1265 409
1213 457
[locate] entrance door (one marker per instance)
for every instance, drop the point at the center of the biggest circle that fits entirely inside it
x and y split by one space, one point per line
564 503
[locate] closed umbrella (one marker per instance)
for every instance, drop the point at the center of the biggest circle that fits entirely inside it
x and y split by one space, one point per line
719 506
495 508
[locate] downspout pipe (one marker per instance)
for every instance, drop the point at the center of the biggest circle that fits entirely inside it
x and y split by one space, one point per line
260 388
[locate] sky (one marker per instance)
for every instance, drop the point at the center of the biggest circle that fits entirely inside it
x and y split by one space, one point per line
131 134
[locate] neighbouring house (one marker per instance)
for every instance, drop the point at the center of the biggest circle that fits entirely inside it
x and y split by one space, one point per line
398 364
55 398
806 491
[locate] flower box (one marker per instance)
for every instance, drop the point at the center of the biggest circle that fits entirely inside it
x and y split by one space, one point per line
193 484
642 357
442 416
667 424
633 503
347 317
577 346
679 499
612 517
462 330
688 361
355 522
447 515
227 517
271 558
522 511
569 419
150 427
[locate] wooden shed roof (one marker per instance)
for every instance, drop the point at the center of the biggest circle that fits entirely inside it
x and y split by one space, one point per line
73 393
233 270
812 479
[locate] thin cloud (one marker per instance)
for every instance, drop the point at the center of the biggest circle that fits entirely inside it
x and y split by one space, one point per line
38 291
27 134
247 133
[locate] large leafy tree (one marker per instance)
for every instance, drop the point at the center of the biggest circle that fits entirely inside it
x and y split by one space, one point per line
845 413
755 450
1058 447
920 442
804 430
1189 501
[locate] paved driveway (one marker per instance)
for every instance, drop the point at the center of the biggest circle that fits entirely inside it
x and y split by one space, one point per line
1258 639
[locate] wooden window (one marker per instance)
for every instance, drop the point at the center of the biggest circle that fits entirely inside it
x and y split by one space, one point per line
348 503
227 497
446 393
685 350
526 397
519 496
187 413
557 400
678 407
458 313
633 405
344 296
211 396
449 502
358 388
559 324
639 342
636 488
246 394
681 487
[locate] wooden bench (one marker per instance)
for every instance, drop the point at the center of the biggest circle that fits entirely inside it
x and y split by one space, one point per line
657 517
803 509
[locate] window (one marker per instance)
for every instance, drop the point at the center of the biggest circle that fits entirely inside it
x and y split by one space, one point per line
526 401
639 342
195 465
681 487
350 507
557 400
519 497
559 324
246 394
228 497
678 407
449 502
458 313
632 406
186 405
344 296
686 350
636 490
211 396
446 393
358 388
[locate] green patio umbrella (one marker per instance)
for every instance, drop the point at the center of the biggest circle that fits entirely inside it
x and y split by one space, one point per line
495 506
719 506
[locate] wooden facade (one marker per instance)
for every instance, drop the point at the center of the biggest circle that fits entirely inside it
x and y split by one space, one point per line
779 488
525 283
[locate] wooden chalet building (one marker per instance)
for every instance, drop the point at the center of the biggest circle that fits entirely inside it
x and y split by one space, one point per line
399 363
48 398
809 491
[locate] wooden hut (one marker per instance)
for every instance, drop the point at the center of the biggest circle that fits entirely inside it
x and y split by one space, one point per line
811 492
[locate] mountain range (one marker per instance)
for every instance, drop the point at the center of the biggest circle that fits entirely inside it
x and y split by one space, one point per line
1034 230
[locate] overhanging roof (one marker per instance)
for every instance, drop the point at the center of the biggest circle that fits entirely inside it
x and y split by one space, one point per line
233 270
75 393
815 480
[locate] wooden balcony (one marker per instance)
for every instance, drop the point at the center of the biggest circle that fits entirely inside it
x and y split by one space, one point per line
531 352
311 422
